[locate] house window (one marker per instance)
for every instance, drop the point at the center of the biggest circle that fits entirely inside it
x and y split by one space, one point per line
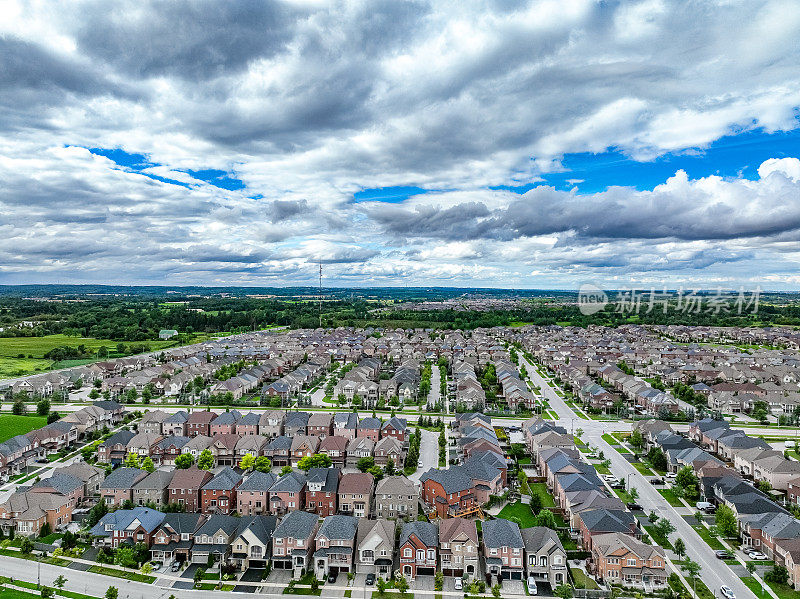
632 562
407 552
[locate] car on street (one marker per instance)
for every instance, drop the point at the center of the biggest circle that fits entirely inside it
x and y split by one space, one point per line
609 477
703 505
726 592
457 584
723 554
635 507
617 485
370 579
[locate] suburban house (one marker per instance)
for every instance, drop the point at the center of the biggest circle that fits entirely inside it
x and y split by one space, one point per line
293 542
396 497
375 547
322 490
418 548
252 496
355 494
127 526
458 548
152 489
503 550
218 495
173 538
252 545
184 488
545 558
288 493
620 558
335 543
118 486
213 539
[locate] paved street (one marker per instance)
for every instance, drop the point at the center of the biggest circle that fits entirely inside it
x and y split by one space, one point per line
428 453
715 572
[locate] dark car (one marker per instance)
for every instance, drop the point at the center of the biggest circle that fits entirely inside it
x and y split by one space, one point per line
370 579
657 481
635 507
332 577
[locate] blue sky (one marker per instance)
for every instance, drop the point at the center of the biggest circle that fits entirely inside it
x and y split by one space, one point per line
248 142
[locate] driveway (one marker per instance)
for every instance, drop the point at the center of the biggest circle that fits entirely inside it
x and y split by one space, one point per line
249 575
428 453
516 587
423 583
279 576
188 573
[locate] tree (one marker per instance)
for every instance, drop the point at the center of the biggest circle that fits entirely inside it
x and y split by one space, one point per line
536 503
19 408
688 481
438 581
205 460
633 493
764 486
46 592
725 521
318 460
680 548
665 527
126 557
94 394
692 568
496 591
148 465
184 461
132 460
263 464
247 462
314 585
146 568
778 575
99 510
402 585
636 439
652 517
60 581
112 593
43 407
27 546
365 463
564 591
381 584
198 575
547 519
45 530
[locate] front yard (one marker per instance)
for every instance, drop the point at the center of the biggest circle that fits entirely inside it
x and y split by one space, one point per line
781 590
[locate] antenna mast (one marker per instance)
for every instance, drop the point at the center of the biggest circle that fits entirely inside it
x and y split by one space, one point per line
320 294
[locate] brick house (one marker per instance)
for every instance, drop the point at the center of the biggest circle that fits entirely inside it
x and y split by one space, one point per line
450 492
355 494
418 549
199 423
503 550
621 559
322 491
225 423
303 446
396 428
293 542
218 495
288 493
118 486
252 496
335 543
184 488
458 548
396 497
370 428
335 448
320 425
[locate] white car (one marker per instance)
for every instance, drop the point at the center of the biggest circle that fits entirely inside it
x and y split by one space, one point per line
609 477
727 592
670 475
532 590
458 585
757 555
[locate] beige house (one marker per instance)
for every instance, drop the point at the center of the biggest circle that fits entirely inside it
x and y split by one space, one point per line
375 547
396 497
458 548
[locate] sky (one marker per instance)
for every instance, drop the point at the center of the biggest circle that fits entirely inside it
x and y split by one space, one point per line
495 143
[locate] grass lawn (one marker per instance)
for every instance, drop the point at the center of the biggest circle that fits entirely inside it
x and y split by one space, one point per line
541 490
642 468
781 590
608 438
601 469
671 498
518 510
705 534
392 595
6 593
582 581
661 540
122 574
11 426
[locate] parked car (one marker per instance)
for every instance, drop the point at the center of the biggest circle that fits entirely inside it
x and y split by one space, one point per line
703 505
635 507
617 485
156 566
726 592
332 577
532 590
723 554
656 481
176 565
670 475
458 585
756 555
609 477
370 579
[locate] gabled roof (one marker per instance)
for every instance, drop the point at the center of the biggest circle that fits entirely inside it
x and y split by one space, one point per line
502 533
297 525
338 527
258 481
123 478
225 480
426 532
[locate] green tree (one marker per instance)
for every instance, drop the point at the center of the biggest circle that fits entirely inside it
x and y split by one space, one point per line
402 585
564 591
94 394
318 460
633 493
381 584
665 527
438 583
365 463
198 576
286 469
60 581
263 464
184 461
45 531
112 593
43 407
148 465
247 462
636 440
536 503
692 569
132 460
687 480
27 546
725 521
496 591
547 519
680 548
652 517
205 460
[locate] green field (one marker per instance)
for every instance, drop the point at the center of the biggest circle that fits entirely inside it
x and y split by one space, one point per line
11 426
518 510
33 350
